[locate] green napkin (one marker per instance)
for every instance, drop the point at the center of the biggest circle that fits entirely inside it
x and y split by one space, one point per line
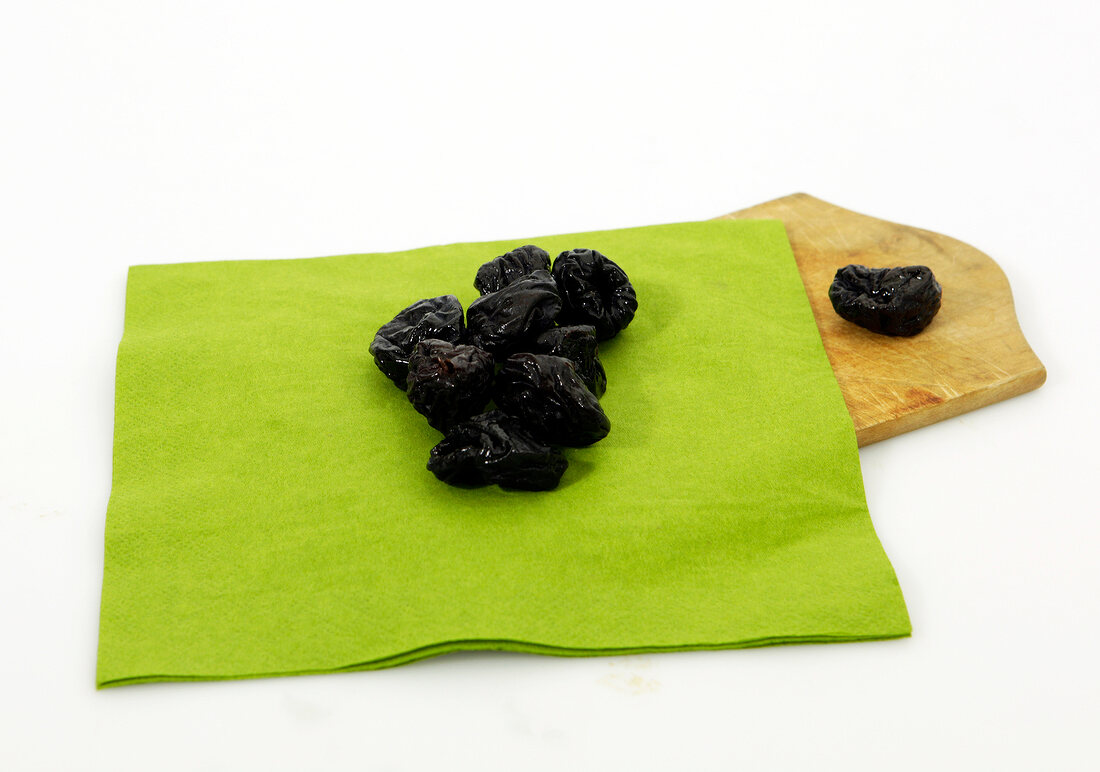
271 512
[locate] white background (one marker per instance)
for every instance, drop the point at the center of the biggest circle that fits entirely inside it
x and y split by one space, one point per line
137 132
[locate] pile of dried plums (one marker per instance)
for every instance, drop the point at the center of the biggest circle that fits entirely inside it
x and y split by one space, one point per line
529 345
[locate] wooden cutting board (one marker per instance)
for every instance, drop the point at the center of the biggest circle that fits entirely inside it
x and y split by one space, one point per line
972 355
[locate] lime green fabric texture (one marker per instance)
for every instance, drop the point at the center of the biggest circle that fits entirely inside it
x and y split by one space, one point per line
271 512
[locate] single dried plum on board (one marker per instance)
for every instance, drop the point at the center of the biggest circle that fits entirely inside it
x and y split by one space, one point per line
578 344
594 291
549 398
499 272
889 301
437 318
494 448
511 318
449 382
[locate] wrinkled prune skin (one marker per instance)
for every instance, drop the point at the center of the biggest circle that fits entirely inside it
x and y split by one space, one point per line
448 383
578 344
499 272
511 318
549 398
438 318
594 291
889 301
495 448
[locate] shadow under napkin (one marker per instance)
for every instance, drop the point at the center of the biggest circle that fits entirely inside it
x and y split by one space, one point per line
271 512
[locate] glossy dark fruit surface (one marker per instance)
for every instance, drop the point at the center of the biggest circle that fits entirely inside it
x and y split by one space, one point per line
448 383
502 271
511 318
549 398
889 301
494 448
594 291
439 318
507 352
578 344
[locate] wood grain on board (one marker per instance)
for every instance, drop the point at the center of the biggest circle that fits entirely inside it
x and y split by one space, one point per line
972 355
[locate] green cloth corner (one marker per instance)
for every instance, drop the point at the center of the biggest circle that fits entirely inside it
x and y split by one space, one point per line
271 512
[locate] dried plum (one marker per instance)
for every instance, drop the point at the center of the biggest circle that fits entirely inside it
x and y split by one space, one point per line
499 272
495 448
889 301
449 382
594 291
548 396
511 318
578 344
438 318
